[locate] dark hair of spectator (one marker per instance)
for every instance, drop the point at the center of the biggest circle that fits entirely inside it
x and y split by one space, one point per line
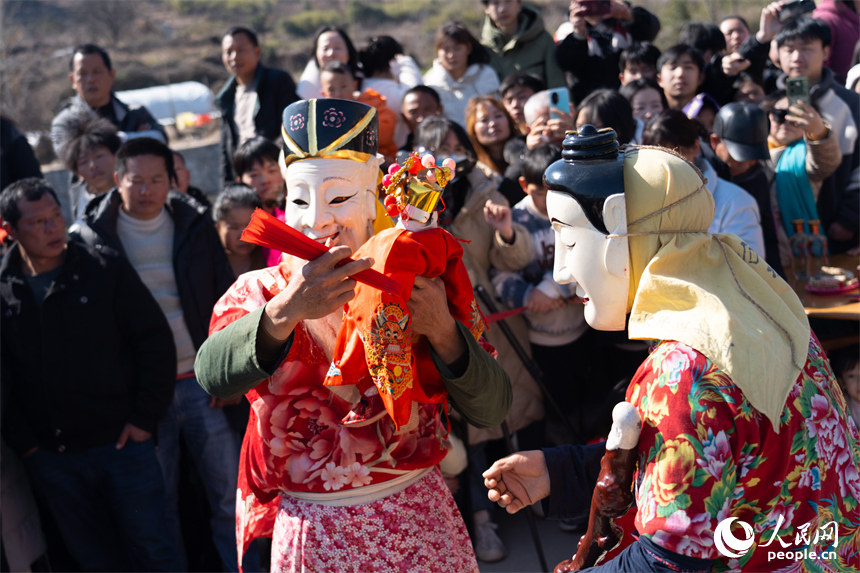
735 17
89 133
630 89
522 79
433 131
255 150
234 195
804 28
536 160
610 109
377 54
336 67
242 30
460 34
674 53
472 118
29 189
639 53
144 146
86 50
352 60
703 36
743 78
426 90
844 359
670 129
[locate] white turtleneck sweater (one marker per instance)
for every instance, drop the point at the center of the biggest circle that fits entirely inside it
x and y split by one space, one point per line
148 245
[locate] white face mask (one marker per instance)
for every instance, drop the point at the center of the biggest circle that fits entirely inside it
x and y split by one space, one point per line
583 255
332 200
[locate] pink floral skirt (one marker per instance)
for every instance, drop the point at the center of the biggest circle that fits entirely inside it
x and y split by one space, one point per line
417 529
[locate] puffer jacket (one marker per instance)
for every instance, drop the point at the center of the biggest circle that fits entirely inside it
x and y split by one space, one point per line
478 80
487 249
532 49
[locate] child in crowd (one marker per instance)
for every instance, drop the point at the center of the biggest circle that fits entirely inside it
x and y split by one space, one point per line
846 367
339 81
232 212
90 154
256 165
804 152
557 330
739 142
515 91
645 97
638 61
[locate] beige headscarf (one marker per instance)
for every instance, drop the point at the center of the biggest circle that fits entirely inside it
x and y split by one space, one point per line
711 292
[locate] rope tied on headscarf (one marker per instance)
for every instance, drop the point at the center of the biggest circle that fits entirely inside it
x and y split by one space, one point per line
725 255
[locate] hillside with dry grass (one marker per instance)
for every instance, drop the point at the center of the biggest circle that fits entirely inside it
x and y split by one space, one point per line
154 42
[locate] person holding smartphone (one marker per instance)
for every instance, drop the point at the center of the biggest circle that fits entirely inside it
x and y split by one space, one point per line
803 46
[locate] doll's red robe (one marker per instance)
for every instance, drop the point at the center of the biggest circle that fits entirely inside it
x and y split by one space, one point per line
375 345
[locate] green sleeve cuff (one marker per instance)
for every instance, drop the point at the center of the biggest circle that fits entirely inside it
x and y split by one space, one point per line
482 392
229 363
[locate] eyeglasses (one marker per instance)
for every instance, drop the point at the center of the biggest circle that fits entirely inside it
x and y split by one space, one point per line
778 115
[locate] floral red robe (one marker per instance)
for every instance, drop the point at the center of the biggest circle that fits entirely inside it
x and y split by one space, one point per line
705 455
294 440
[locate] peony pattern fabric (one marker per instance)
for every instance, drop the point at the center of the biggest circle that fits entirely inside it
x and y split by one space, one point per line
417 529
294 440
706 455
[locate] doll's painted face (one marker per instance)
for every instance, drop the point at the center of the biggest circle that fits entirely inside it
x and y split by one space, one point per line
583 255
332 200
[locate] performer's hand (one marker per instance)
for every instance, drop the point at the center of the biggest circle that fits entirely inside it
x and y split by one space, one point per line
428 306
317 291
133 432
518 480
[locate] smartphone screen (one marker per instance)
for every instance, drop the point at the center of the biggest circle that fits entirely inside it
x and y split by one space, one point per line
558 98
797 89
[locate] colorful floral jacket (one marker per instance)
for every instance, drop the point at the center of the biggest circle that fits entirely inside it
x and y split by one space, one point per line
706 455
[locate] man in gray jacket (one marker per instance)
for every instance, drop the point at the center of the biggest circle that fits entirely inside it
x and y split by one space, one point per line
92 78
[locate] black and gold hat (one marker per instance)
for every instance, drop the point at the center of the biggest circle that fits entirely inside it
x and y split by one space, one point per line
329 129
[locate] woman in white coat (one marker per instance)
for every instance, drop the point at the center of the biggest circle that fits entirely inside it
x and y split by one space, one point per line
460 71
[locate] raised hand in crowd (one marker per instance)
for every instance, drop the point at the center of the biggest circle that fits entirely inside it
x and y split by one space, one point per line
769 25
499 218
539 302
733 64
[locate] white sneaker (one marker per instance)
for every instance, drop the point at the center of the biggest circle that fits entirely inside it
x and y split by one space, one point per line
488 547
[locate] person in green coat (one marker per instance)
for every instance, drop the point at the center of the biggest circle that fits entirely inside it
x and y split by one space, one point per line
518 41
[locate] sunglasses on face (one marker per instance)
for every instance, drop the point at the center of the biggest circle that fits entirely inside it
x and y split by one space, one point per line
778 115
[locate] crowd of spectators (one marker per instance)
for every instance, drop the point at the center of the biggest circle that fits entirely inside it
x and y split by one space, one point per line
102 427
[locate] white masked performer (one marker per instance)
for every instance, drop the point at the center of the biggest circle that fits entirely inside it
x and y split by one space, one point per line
337 497
746 455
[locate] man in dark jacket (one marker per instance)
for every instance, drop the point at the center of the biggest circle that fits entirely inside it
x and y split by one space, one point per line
590 54
253 98
17 159
171 241
89 367
92 78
